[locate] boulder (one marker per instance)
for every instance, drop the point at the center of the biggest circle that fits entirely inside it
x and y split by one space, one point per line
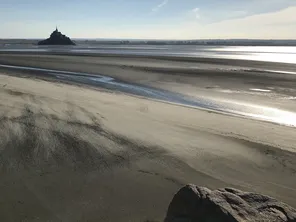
199 204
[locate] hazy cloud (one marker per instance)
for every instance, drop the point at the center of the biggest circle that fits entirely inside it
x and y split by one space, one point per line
280 24
160 5
195 11
274 25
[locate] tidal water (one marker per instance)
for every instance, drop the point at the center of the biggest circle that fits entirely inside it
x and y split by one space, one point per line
280 54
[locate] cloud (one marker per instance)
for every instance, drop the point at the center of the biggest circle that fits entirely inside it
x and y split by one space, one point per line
160 5
273 25
279 24
195 11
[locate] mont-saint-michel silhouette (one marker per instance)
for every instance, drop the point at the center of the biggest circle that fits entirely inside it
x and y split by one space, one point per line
57 38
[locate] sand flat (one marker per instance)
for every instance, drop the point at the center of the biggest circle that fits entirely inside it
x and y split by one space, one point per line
75 153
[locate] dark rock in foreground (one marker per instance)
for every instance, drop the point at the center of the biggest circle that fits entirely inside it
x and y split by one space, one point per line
199 204
57 38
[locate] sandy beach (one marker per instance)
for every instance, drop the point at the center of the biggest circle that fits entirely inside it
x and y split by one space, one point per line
71 152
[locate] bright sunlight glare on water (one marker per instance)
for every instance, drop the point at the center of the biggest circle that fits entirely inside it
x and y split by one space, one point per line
267 54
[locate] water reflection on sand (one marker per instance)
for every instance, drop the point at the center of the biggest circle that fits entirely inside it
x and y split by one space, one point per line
220 105
262 53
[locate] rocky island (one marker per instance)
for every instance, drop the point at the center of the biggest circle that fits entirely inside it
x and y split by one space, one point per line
57 38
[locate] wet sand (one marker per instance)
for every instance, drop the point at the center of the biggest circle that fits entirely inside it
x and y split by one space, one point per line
71 152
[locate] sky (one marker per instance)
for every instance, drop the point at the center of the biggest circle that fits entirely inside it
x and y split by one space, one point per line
150 19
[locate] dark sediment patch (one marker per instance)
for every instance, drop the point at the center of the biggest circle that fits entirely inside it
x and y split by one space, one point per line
36 140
